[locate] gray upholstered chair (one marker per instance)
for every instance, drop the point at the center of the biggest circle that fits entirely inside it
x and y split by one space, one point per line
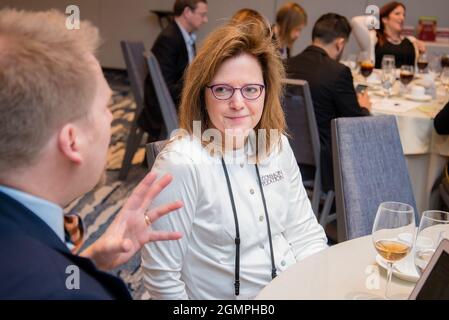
168 109
369 168
137 72
305 142
153 149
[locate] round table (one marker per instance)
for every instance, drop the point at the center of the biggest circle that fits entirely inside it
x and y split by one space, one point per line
344 271
425 151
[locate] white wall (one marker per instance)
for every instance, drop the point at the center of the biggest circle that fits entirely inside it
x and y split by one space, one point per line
132 20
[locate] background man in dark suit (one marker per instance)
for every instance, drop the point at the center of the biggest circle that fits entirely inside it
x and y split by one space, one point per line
174 49
54 136
331 83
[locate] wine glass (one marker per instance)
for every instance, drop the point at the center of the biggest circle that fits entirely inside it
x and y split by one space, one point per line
366 64
388 74
388 62
406 75
433 228
393 234
423 62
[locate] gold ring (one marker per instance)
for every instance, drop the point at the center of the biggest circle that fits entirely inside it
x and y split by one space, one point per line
147 219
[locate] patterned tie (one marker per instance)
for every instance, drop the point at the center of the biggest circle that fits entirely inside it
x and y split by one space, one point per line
74 232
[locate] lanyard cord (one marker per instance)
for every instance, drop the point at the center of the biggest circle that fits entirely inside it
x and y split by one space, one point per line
273 266
237 232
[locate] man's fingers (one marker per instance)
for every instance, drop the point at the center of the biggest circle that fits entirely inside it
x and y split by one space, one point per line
162 210
163 236
155 189
145 184
137 197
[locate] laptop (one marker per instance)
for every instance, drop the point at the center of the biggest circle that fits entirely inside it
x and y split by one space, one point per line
434 282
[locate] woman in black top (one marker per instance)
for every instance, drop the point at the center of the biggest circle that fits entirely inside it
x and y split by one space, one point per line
388 38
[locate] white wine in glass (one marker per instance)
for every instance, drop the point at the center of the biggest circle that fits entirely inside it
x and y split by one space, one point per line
433 228
393 234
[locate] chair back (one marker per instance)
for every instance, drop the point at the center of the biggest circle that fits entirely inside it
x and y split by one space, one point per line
133 52
168 109
302 128
301 122
369 168
153 149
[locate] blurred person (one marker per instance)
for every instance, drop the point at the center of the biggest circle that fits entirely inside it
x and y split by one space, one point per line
246 215
388 39
331 84
291 18
174 49
54 137
252 17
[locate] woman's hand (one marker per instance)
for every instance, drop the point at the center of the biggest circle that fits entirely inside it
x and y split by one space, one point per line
421 46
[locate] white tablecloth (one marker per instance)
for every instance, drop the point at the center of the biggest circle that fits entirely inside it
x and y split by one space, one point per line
344 271
426 152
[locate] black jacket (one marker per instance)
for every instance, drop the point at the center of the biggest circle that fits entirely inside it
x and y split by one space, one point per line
34 262
441 122
333 95
171 52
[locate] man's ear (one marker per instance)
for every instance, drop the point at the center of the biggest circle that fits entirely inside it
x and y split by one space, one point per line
69 143
187 12
340 43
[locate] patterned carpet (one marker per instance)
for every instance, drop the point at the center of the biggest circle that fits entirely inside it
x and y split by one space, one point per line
98 207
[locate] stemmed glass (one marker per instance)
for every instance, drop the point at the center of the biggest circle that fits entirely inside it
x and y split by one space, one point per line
388 74
366 64
433 228
423 62
393 234
406 75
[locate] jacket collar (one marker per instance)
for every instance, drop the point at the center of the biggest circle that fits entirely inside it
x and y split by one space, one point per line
313 48
26 220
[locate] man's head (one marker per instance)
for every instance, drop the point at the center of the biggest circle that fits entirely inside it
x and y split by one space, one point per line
332 31
55 124
192 13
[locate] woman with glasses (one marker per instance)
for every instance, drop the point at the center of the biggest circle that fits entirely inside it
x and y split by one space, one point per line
246 215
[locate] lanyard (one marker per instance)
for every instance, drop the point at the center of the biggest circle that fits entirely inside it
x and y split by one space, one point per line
237 232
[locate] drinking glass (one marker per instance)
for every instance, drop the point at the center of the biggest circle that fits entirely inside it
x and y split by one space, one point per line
388 62
423 62
393 234
366 64
433 228
406 76
388 74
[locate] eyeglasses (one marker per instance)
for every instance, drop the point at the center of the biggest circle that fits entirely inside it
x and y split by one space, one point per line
225 92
